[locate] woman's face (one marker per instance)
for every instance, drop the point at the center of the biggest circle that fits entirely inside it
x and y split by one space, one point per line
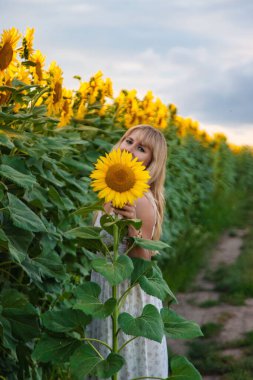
134 145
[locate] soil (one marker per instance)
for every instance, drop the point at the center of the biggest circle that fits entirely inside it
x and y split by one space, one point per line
236 320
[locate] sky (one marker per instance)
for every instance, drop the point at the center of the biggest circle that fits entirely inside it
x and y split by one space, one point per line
197 54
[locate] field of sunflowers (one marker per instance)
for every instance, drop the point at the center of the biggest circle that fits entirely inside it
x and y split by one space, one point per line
50 138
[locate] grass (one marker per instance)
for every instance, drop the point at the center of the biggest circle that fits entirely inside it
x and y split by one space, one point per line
209 303
234 283
192 249
211 329
207 354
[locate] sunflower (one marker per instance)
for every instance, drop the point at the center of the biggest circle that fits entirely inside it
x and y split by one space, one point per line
37 70
67 110
119 178
22 74
27 44
5 95
55 100
82 99
8 50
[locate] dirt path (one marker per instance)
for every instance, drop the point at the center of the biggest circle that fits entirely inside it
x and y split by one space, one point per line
236 320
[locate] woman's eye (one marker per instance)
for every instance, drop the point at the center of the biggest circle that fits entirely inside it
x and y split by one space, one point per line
129 141
141 149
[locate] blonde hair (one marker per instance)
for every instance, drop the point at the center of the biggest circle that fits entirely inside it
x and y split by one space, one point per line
155 140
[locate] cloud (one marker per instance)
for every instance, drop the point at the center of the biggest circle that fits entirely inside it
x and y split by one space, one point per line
196 54
242 135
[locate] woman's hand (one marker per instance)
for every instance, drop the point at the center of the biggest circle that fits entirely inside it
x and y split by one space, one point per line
145 212
128 211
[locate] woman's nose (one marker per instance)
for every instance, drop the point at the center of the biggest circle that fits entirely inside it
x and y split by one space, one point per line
129 149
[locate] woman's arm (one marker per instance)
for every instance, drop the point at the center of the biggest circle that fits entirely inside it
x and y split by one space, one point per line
143 210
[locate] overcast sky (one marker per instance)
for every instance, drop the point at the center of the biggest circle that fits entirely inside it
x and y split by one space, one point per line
197 54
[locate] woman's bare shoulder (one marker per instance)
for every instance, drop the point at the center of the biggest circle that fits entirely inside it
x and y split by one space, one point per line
145 209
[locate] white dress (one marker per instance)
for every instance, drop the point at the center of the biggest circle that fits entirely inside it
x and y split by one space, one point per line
144 357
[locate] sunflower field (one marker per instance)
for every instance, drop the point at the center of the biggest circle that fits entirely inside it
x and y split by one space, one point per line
50 138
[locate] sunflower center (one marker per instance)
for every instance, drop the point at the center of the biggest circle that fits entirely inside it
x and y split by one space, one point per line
57 92
6 54
120 178
38 70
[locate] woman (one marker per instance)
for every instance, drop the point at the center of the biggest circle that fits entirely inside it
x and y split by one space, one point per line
143 357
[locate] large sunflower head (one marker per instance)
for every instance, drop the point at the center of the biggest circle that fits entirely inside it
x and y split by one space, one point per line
8 50
119 178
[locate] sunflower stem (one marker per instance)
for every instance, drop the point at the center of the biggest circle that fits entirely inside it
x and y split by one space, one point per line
130 248
107 251
98 341
122 298
114 294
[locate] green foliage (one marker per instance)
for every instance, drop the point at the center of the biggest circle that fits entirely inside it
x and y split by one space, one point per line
87 300
115 272
149 324
235 281
210 357
48 246
86 361
182 369
211 329
176 326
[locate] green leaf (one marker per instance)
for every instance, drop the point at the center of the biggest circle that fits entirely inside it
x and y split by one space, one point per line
107 146
65 320
141 267
55 198
55 350
24 322
88 301
50 264
24 180
176 326
114 272
152 245
90 255
50 177
112 364
18 242
154 284
149 324
1 193
182 369
12 298
107 221
22 316
32 271
84 210
23 217
83 361
73 164
38 197
92 155
7 338
136 223
7 129
5 141
3 238
16 162
84 233
121 223
28 63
